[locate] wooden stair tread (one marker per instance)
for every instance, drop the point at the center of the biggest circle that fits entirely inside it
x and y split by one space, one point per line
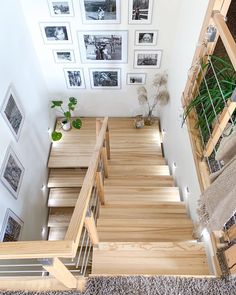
60 217
66 177
182 258
140 181
57 233
160 210
138 170
63 197
144 230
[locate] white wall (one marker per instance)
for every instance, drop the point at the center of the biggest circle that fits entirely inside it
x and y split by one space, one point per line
176 140
19 66
104 102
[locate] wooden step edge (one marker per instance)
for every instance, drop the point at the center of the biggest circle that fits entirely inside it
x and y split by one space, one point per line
150 276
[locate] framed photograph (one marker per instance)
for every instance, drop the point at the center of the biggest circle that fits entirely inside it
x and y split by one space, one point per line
61 8
146 38
100 11
103 46
12 112
147 59
64 56
56 33
105 78
12 172
140 11
12 227
136 78
74 78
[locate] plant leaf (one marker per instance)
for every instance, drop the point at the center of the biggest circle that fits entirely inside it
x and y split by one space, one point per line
56 135
67 114
56 103
73 101
77 124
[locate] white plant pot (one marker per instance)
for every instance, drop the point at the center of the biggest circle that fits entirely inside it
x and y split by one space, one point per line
66 126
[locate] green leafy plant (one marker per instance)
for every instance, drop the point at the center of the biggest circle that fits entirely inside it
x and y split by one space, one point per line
215 90
76 123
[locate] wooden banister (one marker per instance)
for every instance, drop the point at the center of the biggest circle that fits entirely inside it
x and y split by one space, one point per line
77 221
36 249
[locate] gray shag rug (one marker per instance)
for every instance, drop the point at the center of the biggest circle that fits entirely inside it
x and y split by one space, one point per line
141 285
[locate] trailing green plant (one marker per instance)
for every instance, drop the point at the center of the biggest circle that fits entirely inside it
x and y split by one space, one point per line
218 71
67 116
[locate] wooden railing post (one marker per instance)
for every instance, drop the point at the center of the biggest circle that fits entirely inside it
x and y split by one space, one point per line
104 159
100 187
98 126
91 227
58 270
108 143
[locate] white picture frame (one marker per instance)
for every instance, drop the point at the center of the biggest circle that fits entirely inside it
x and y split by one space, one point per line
12 227
95 12
12 112
136 78
140 12
103 46
106 78
146 38
61 8
147 59
56 32
64 56
74 78
12 172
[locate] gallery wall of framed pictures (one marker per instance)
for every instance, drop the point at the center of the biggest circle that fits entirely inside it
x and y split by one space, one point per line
108 48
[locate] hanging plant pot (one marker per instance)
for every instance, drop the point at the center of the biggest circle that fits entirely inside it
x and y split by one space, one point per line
66 126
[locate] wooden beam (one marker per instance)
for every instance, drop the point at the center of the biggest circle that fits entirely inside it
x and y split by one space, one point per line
219 127
36 249
226 36
100 187
58 270
105 161
108 143
91 228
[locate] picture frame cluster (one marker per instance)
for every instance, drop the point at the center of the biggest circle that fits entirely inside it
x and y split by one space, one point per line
102 47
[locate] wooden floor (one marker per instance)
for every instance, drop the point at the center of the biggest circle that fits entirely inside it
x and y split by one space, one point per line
143 227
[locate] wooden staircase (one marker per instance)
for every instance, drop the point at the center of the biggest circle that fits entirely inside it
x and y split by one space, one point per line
143 227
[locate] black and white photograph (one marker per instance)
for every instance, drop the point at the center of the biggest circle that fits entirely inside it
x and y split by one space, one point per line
105 78
61 8
103 47
136 78
146 38
100 11
147 59
56 33
74 78
64 56
12 227
12 172
140 11
12 112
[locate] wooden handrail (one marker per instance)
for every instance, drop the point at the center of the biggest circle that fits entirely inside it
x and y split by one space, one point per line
77 221
36 249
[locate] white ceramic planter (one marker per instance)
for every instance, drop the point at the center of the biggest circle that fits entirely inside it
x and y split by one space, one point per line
66 126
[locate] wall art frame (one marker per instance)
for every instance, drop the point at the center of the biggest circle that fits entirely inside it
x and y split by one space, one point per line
136 78
56 32
148 59
64 56
96 12
103 46
140 11
74 78
146 37
12 112
12 172
61 8
106 78
12 227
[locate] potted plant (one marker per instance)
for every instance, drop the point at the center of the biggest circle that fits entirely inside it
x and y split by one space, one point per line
160 96
216 89
67 122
